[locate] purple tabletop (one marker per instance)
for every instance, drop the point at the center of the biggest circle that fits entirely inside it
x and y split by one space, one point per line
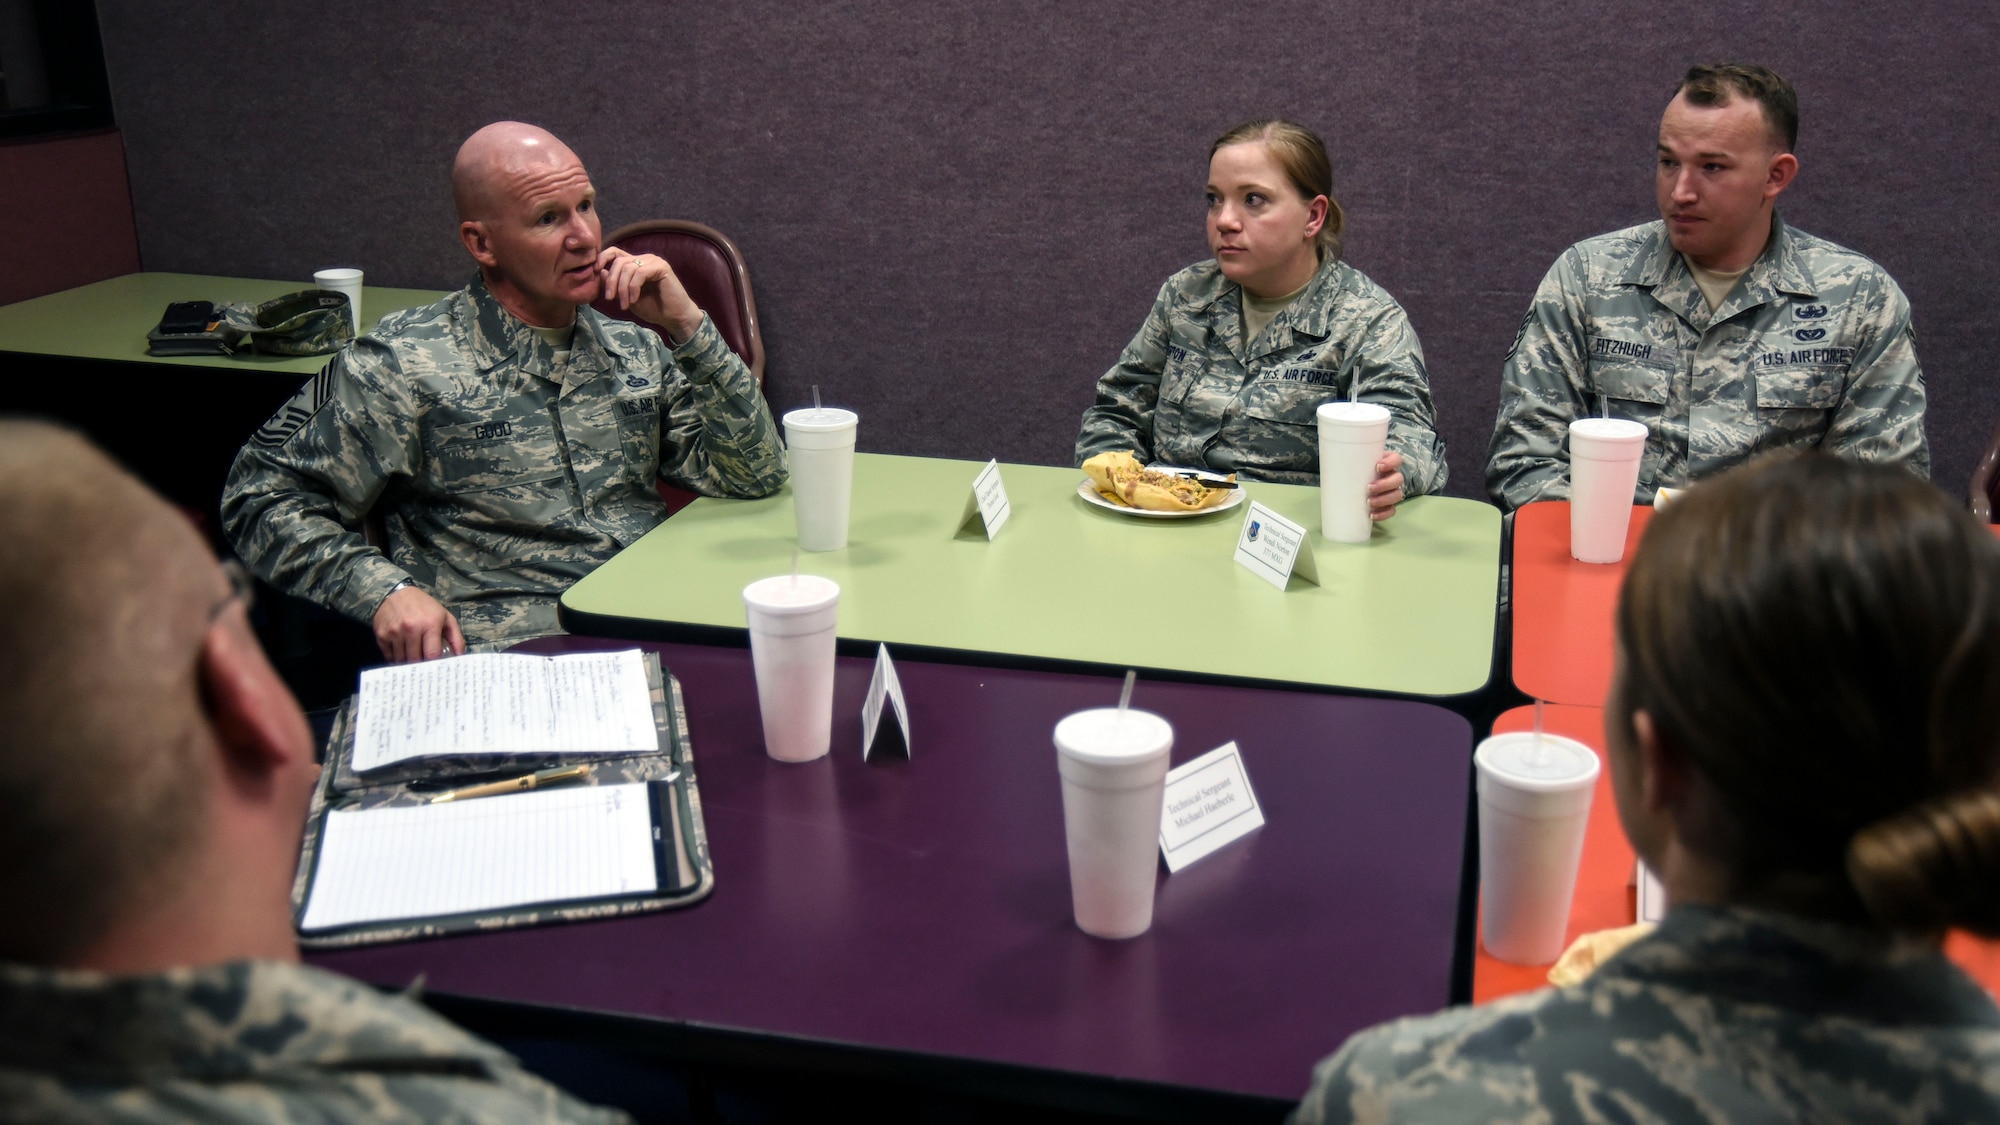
922 905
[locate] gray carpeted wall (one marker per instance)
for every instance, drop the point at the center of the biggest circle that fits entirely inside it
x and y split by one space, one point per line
956 213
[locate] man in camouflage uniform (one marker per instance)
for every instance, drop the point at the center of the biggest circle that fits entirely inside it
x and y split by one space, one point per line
148 970
1188 391
1722 1014
510 435
1721 328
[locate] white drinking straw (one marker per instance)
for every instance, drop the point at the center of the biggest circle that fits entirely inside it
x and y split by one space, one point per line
1538 753
1125 696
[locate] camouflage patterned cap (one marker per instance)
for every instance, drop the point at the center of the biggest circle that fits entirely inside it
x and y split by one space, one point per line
308 322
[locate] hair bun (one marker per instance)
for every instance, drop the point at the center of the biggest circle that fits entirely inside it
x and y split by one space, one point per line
1933 866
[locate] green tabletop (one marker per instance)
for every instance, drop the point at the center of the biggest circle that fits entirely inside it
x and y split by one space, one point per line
110 319
1412 611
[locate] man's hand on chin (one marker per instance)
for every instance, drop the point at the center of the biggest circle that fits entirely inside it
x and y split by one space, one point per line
645 285
410 625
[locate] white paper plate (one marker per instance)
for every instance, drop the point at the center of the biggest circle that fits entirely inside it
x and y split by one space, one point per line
1088 491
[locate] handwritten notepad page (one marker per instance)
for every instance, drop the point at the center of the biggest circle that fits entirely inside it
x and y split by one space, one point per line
430 861
504 703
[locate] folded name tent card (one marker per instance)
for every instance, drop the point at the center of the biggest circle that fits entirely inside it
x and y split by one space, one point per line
884 686
505 704
1275 548
1209 803
987 507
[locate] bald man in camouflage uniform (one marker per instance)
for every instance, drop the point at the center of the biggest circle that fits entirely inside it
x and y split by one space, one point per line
155 775
510 435
1721 328
1724 1014
1189 391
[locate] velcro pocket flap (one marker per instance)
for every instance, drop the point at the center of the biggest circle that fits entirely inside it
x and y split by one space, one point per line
1628 381
1798 388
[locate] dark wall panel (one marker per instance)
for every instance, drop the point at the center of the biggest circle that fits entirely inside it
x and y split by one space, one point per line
956 214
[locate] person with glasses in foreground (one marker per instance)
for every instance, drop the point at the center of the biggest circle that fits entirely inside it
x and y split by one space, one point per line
1804 742
154 779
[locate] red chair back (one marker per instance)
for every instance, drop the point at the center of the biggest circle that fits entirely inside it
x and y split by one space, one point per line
1986 481
711 269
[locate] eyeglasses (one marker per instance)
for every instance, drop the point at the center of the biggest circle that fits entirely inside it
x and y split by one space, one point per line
242 588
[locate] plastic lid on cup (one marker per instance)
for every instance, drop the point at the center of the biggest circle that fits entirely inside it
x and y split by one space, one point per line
820 419
788 594
1609 429
1110 737
341 273
1548 764
1345 413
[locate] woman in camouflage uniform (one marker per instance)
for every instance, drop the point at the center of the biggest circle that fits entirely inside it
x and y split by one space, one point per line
1804 743
1230 368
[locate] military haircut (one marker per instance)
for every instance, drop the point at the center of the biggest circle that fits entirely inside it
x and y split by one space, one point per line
104 594
1717 84
1820 638
1299 151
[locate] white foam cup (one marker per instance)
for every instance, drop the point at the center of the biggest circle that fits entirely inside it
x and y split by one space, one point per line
1533 808
792 623
1604 456
1351 439
346 281
1114 782
821 452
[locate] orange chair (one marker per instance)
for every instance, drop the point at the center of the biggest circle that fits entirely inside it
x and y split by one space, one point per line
1986 481
711 269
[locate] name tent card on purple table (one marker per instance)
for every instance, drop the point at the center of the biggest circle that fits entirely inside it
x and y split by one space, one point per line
884 686
1209 803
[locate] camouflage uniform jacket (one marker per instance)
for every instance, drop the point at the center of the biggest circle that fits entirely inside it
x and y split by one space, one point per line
1188 391
249 1041
1812 348
1720 1015
502 479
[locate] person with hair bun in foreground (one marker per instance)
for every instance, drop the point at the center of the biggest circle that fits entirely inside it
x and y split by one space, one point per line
1804 737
